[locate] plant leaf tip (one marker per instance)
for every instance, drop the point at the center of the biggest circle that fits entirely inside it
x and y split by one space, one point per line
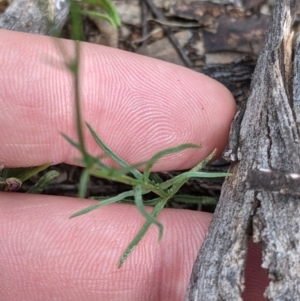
120 264
73 215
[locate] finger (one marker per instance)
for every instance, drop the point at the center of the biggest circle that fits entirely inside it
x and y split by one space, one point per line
137 105
44 254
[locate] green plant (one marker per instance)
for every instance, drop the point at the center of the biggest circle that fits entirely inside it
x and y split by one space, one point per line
142 183
109 12
11 179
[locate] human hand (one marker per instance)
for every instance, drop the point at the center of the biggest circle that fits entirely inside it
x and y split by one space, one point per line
138 106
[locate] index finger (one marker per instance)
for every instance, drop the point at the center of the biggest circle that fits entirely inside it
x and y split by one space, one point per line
137 105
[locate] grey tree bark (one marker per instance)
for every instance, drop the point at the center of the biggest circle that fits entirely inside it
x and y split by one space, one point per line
36 16
263 138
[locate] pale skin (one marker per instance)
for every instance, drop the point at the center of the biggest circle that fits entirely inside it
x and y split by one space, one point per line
138 106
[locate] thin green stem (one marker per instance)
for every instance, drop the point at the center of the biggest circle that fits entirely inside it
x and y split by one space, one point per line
77 104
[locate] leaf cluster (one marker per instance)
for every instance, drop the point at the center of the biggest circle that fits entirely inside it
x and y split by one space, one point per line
142 183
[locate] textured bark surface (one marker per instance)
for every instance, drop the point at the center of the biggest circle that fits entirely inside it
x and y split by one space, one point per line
265 136
35 16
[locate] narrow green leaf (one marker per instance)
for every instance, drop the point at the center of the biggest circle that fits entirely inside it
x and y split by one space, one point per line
175 188
202 200
43 182
163 153
129 168
99 15
2 184
157 209
110 175
72 142
84 179
93 160
109 8
112 155
76 24
102 203
203 163
23 173
192 174
139 203
152 202
154 177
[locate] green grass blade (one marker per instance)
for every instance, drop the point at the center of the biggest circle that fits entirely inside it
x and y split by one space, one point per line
157 209
152 202
99 15
154 177
102 203
25 173
203 163
202 200
76 24
72 142
112 155
184 177
175 188
164 153
109 8
139 203
43 182
84 179
129 168
93 160
110 175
